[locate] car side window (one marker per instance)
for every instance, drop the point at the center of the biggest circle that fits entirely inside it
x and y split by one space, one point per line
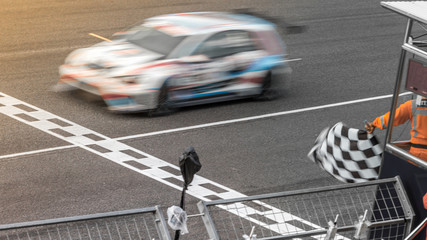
226 43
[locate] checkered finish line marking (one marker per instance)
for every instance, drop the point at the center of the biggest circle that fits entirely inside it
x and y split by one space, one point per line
125 155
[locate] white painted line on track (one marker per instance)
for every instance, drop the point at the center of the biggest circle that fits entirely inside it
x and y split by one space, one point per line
36 151
206 125
269 115
128 156
23 53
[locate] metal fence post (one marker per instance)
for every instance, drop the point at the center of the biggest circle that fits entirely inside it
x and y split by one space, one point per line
409 212
207 220
161 224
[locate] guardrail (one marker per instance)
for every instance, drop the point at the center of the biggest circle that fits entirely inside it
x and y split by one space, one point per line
372 210
321 213
145 223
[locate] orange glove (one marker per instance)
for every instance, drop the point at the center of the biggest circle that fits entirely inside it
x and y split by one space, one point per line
425 201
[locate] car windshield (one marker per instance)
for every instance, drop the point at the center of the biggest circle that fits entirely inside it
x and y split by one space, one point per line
154 40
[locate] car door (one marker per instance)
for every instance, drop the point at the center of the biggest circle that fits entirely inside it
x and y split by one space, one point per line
223 67
213 66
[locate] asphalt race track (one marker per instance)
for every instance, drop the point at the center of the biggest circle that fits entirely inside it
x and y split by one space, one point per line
349 52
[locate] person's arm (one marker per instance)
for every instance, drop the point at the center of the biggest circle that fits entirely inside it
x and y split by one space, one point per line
403 114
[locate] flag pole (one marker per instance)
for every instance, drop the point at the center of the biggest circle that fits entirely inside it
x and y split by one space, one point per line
189 165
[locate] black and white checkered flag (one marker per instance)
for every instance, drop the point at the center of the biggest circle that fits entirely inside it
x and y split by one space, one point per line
350 155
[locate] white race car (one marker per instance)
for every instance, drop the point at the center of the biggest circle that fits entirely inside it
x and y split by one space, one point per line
176 60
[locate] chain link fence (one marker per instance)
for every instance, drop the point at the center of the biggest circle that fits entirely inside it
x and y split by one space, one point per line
373 210
141 224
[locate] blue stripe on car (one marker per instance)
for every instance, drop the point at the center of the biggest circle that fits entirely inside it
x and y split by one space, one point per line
209 94
120 101
266 63
262 64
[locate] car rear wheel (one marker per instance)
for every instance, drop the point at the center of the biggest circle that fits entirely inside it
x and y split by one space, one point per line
163 103
267 92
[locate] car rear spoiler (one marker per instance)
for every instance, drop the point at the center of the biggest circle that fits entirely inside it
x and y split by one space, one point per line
286 27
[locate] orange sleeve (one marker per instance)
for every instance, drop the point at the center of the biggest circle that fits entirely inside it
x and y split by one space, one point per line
425 201
403 114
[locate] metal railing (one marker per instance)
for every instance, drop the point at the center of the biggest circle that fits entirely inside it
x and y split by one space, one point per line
372 210
403 154
145 223
314 213
417 230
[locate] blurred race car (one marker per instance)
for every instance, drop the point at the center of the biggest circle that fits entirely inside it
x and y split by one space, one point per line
176 60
